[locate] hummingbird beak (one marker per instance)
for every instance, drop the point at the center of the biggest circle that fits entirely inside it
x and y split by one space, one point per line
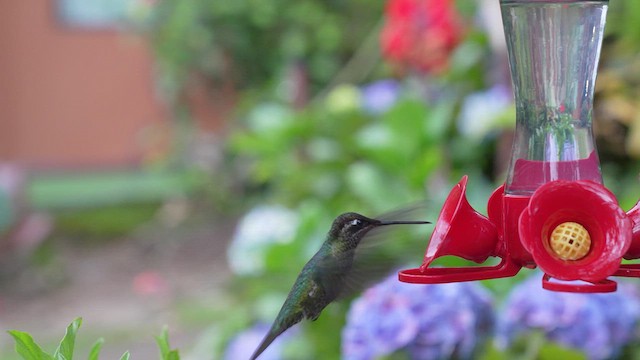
401 222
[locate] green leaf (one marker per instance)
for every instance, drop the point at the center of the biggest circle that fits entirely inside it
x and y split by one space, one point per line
125 356
173 355
95 350
163 343
165 349
67 344
551 351
27 347
493 353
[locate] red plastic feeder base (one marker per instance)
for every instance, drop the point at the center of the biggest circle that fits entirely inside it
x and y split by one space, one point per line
458 274
628 270
602 286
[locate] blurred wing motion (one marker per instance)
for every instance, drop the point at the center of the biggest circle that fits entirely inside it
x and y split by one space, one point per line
382 251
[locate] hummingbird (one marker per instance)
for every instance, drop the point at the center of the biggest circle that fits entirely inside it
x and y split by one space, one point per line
323 278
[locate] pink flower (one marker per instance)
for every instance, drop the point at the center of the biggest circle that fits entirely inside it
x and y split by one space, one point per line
150 283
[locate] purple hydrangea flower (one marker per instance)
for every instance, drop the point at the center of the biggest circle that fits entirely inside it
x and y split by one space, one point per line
428 321
379 96
480 111
258 230
598 324
245 343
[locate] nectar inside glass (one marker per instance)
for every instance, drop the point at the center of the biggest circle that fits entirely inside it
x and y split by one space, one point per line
554 48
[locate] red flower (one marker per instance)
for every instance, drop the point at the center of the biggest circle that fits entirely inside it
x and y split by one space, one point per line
421 34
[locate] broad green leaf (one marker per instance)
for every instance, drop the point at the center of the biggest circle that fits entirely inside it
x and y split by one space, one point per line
125 356
95 350
27 347
67 344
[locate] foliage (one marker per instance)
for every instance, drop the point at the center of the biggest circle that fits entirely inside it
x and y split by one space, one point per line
105 221
166 353
617 102
28 349
252 40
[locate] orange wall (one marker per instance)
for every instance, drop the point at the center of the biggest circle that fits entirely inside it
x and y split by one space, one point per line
68 97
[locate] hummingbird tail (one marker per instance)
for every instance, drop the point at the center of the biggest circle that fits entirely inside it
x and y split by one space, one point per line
268 339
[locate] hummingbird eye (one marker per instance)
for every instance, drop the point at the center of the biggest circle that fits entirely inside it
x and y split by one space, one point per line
356 222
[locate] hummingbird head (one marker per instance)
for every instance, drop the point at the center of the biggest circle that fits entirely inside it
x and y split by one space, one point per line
351 227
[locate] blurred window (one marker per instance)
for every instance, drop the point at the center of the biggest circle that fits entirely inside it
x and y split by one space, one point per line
93 14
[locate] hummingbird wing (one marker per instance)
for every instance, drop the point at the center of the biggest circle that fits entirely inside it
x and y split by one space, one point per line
384 249
378 235
414 211
356 270
366 271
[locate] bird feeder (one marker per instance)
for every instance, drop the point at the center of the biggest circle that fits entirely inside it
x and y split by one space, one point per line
553 212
